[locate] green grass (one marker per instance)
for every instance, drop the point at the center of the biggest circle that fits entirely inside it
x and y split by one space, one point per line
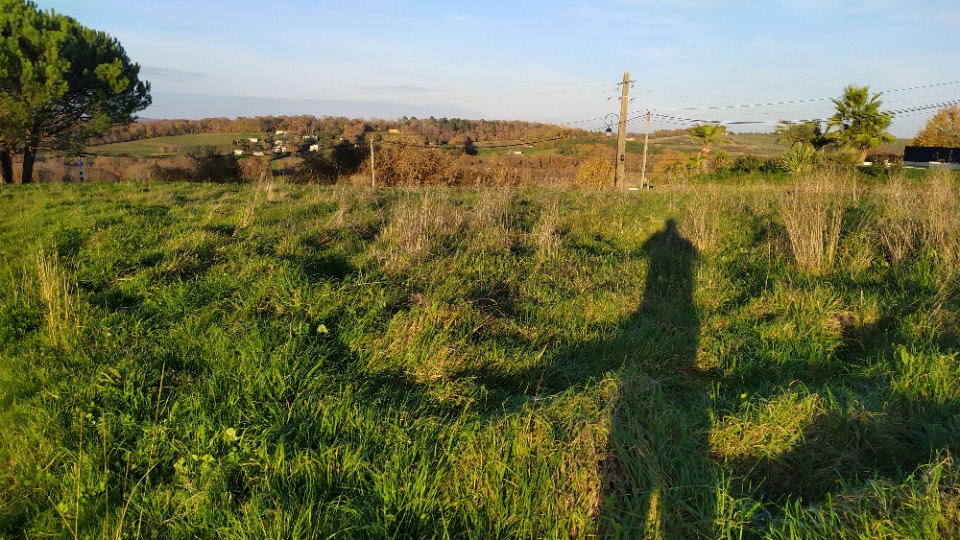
187 360
758 144
179 145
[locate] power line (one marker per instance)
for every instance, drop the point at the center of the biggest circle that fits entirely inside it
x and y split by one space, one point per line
682 120
800 101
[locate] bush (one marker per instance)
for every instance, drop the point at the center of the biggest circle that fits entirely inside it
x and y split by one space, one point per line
257 167
772 166
671 163
802 158
842 160
330 165
596 173
747 163
398 165
205 166
212 166
883 164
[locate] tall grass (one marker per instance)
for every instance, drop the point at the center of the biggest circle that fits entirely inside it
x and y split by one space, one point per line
704 216
719 361
812 212
62 313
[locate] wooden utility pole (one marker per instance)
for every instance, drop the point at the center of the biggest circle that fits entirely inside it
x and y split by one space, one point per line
646 141
373 166
620 175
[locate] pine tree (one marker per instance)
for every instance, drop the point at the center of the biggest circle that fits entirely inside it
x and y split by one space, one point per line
60 83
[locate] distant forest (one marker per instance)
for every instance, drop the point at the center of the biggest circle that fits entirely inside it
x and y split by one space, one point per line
432 131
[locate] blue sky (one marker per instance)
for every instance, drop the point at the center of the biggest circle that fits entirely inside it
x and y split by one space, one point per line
554 61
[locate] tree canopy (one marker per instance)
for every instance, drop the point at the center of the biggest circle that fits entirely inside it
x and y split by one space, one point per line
60 83
941 130
860 123
810 132
708 135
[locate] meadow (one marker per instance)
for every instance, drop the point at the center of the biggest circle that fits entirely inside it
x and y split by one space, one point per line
733 359
178 145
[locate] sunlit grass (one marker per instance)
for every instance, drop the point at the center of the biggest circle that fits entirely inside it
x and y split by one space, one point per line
285 361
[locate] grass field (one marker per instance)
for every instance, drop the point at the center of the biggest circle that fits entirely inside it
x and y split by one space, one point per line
762 144
180 145
279 361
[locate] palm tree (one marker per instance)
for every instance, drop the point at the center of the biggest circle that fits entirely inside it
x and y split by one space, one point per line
708 134
859 122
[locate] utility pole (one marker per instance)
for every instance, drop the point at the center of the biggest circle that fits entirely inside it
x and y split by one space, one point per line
373 166
646 141
620 175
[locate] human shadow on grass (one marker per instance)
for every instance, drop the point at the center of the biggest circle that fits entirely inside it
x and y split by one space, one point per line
657 476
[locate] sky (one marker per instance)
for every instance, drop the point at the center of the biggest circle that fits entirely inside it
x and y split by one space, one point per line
747 64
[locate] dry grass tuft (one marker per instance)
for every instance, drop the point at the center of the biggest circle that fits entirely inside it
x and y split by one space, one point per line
923 218
546 233
704 212
812 211
417 220
940 220
59 297
899 226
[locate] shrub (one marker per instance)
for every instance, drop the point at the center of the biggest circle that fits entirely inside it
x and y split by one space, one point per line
317 168
204 166
772 166
257 167
842 160
596 173
671 163
883 164
401 165
747 163
721 162
212 166
802 158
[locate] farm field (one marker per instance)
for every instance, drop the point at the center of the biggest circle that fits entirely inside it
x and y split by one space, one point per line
702 360
180 145
762 144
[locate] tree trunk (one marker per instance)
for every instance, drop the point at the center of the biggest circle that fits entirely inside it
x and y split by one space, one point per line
6 167
29 156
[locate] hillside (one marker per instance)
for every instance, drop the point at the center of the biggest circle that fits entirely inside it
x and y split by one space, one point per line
178 145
